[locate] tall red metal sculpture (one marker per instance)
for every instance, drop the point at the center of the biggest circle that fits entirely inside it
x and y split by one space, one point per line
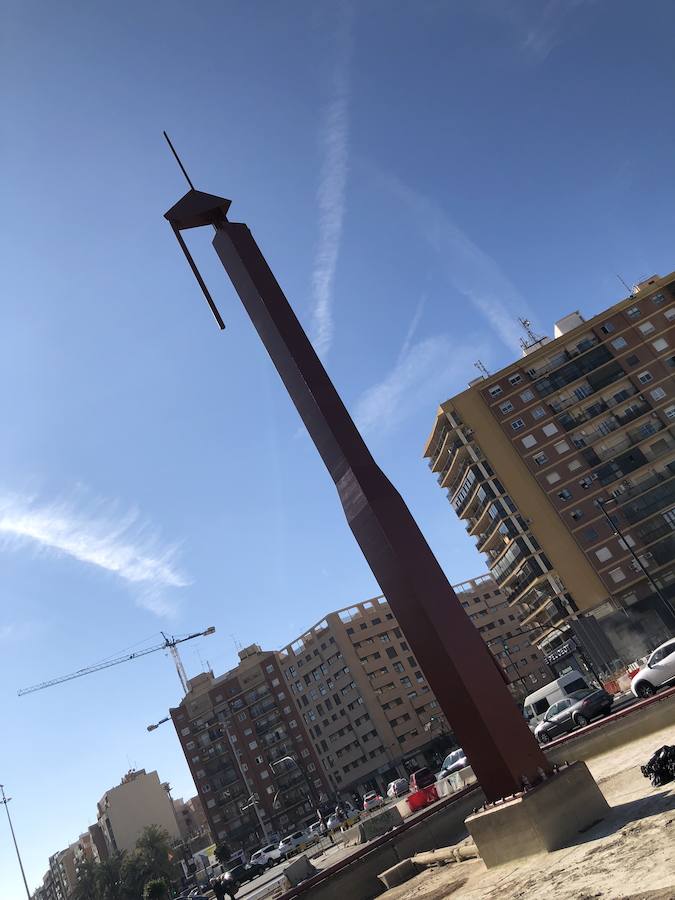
458 666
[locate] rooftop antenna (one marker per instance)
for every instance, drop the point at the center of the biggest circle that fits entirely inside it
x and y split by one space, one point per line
532 338
481 368
630 290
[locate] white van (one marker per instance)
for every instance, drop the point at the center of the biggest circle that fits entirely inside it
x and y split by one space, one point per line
537 703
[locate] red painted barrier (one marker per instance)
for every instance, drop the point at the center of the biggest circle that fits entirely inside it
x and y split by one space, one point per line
422 798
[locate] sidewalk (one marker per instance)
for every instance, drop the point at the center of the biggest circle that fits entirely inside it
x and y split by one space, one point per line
628 856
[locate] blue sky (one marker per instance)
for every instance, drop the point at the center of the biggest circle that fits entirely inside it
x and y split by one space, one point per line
418 175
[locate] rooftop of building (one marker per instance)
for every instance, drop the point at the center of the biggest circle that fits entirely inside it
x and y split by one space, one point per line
565 330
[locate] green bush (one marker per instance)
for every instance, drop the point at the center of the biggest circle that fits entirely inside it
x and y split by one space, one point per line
155 890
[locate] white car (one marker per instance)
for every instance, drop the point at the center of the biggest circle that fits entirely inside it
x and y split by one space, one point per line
453 762
266 856
292 842
659 670
372 800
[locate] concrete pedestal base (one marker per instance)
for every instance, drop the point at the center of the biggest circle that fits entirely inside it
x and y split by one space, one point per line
545 818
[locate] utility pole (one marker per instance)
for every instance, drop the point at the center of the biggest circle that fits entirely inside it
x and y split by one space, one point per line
5 801
617 531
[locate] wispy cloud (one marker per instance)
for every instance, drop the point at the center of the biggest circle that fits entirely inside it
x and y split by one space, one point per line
425 371
539 26
334 142
412 328
120 544
468 268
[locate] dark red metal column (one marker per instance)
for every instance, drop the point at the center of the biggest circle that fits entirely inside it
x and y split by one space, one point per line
449 649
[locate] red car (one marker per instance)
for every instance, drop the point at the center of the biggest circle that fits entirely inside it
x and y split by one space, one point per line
421 778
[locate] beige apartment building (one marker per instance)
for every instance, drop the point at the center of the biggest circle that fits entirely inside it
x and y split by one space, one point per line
138 801
510 642
363 698
536 457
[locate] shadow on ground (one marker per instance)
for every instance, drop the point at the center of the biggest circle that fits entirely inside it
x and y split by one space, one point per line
622 815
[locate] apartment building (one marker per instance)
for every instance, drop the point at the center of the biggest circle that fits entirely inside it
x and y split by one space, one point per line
191 817
363 698
251 758
138 801
511 643
562 465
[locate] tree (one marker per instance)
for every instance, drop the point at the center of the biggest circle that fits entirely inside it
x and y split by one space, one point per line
87 887
223 853
155 890
152 859
109 878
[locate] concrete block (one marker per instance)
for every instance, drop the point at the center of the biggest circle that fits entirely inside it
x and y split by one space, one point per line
381 823
299 870
545 818
399 874
352 836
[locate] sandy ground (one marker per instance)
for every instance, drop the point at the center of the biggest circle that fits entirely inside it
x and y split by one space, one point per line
628 856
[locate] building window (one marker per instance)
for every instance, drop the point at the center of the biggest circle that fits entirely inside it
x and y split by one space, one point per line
659 344
574 465
619 343
529 441
552 477
658 393
646 327
527 395
589 534
293 723
632 360
561 447
657 299
670 412
185 731
242 717
645 377
603 554
538 412
506 407
565 494
670 313
617 575
269 669
517 424
540 458
391 652
577 514
515 379
607 328
495 390
550 429
633 312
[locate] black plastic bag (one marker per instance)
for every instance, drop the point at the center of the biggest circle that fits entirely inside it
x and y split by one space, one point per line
661 767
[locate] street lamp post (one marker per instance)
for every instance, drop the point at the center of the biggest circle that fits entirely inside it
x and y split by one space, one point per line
5 801
617 531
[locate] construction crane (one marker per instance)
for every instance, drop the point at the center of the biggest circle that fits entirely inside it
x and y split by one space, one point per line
169 643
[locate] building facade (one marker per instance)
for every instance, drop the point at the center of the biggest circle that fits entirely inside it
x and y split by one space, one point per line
562 465
511 643
363 698
249 753
138 801
191 817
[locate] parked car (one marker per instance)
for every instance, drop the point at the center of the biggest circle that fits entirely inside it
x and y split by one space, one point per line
372 800
572 712
453 762
659 670
266 856
241 873
536 703
421 778
317 828
398 787
293 843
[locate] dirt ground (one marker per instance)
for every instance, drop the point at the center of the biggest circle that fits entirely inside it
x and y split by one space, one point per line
628 856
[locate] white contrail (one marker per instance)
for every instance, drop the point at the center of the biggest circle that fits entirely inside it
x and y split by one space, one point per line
334 141
121 545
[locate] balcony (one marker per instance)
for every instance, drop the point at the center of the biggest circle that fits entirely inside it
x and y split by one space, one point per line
458 454
447 448
561 372
632 412
652 501
531 574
